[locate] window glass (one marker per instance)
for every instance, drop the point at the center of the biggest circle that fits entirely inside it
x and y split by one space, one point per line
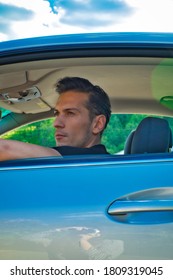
4 112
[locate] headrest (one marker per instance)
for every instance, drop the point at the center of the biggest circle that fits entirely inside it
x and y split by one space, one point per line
153 135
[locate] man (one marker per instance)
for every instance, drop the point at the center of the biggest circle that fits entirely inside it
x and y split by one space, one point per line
82 113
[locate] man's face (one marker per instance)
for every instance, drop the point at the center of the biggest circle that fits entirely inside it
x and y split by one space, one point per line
73 124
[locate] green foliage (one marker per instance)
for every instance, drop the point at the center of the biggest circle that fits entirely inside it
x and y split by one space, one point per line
114 137
118 130
41 133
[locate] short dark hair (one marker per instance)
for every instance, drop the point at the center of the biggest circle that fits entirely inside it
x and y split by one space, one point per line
99 103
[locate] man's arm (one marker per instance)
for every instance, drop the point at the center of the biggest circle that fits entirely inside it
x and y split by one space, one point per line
11 149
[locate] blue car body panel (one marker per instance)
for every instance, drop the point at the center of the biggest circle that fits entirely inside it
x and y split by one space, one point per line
46 207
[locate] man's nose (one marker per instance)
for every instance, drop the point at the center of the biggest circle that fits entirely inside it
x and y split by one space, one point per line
59 122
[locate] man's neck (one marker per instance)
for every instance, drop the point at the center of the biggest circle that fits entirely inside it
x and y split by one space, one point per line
96 141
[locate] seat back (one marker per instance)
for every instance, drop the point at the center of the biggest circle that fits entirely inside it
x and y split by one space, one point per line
153 135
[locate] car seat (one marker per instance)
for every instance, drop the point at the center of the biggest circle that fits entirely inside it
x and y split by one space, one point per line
153 135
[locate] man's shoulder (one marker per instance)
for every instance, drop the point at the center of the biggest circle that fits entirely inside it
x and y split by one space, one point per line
69 150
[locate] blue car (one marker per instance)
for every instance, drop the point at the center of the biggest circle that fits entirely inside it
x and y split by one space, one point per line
115 206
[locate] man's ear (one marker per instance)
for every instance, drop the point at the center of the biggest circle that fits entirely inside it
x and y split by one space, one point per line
98 124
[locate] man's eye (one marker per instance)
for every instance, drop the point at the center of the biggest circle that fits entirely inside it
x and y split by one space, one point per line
70 113
56 113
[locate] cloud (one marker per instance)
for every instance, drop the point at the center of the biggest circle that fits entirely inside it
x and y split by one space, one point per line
20 19
90 13
10 14
149 16
52 17
33 18
4 27
89 5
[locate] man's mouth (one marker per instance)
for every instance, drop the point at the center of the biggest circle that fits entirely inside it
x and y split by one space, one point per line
59 136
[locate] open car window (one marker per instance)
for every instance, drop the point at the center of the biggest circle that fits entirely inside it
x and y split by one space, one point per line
114 137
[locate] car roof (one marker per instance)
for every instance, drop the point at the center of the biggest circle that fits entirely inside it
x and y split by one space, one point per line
119 38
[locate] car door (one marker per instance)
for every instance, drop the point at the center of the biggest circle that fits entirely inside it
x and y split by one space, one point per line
110 207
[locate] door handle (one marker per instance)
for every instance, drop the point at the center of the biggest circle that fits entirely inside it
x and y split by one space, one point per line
122 207
143 207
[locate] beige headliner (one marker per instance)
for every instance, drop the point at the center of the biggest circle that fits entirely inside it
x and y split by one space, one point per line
135 85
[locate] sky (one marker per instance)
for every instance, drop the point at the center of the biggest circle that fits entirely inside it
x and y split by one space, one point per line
33 18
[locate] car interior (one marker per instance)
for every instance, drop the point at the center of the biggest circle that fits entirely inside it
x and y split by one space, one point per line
153 135
135 85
